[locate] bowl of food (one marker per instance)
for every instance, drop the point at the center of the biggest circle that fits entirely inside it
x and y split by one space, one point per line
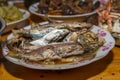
116 27
65 9
58 45
14 17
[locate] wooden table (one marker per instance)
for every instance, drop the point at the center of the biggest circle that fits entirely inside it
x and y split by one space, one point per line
107 68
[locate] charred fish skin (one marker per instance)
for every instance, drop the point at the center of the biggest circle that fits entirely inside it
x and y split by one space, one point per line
20 45
72 26
71 50
53 36
53 52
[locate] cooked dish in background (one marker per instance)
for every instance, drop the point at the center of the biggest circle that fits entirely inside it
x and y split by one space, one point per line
56 43
115 6
10 13
67 7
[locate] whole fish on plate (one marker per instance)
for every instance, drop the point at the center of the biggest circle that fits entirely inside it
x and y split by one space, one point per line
59 43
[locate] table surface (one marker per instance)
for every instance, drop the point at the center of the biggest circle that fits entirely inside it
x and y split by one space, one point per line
107 68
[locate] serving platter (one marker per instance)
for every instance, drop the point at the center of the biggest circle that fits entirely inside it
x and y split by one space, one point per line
100 53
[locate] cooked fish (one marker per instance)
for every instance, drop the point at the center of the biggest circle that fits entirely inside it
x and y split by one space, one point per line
53 36
35 34
72 26
53 52
73 36
90 41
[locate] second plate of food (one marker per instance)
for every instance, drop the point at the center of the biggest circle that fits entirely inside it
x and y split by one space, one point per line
64 9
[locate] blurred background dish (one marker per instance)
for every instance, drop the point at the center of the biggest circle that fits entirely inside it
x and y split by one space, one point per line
64 13
23 21
115 6
14 17
10 13
27 3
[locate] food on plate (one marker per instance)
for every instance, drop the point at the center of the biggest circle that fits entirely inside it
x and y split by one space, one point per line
109 19
67 7
55 43
104 15
10 13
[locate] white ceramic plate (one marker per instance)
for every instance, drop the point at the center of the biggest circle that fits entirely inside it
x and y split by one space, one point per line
102 52
26 15
34 8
